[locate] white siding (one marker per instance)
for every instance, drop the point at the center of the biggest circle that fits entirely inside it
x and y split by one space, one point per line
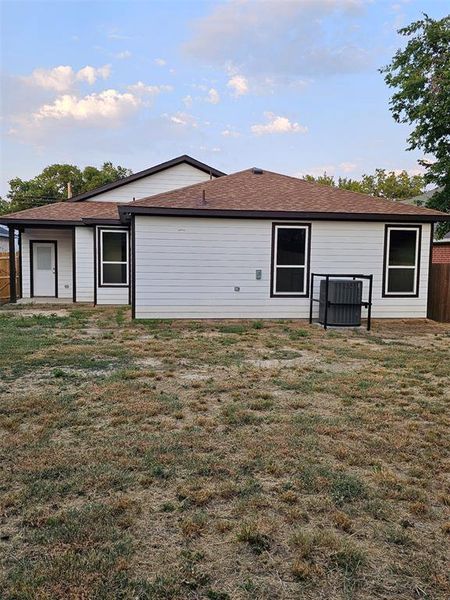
169 179
189 267
63 238
84 244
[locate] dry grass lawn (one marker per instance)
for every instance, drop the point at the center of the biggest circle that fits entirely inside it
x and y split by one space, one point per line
221 460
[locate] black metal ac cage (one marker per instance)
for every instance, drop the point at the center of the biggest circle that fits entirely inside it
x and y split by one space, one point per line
329 304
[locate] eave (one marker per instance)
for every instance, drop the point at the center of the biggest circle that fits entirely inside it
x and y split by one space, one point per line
128 209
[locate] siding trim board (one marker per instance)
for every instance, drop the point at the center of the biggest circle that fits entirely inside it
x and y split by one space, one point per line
74 267
387 228
95 266
133 267
32 242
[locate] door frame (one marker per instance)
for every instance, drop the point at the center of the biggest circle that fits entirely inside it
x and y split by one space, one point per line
55 243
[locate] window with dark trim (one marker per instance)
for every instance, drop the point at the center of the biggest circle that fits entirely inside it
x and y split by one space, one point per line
401 260
113 257
290 259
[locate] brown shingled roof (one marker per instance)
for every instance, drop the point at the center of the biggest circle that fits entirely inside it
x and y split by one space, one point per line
269 192
66 212
245 194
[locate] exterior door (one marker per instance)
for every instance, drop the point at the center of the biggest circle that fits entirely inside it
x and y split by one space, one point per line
44 269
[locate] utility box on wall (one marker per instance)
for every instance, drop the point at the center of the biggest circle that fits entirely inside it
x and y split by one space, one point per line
344 302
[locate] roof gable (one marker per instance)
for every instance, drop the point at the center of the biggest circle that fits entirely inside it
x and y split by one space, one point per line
183 159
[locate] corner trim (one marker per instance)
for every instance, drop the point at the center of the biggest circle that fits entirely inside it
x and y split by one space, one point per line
133 267
74 266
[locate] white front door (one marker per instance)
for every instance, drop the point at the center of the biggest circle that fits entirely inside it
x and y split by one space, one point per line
44 269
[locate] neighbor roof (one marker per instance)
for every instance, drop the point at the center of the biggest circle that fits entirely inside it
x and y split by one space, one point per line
66 213
151 171
257 193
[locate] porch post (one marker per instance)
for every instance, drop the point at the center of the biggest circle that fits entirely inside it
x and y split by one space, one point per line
12 266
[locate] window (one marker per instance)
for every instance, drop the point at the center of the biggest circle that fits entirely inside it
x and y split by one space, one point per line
113 261
402 250
290 260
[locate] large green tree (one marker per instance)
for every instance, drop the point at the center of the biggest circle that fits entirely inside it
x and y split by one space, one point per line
420 75
51 185
383 184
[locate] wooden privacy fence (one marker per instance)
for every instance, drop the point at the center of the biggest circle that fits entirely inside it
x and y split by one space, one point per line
439 292
4 276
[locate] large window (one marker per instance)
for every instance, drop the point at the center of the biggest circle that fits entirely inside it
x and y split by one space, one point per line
290 260
401 263
113 257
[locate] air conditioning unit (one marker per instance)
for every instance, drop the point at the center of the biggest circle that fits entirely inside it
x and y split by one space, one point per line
344 302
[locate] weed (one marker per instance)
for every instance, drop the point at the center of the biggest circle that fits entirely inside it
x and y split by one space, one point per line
250 534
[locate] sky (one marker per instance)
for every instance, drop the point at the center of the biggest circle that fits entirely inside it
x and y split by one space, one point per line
288 85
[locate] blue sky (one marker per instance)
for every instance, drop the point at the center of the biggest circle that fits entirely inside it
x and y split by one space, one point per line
290 86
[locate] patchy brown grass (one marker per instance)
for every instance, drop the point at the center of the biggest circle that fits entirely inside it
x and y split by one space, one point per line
231 460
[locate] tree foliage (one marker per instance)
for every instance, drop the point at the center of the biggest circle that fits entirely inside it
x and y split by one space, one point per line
51 185
420 76
383 184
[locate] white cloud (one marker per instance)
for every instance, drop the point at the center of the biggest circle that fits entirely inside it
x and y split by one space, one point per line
91 74
113 33
231 133
124 55
140 88
182 119
187 101
161 62
62 78
277 124
347 167
59 78
239 85
213 96
109 104
282 41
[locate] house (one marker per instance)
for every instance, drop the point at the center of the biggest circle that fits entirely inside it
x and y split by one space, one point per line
4 243
441 250
183 240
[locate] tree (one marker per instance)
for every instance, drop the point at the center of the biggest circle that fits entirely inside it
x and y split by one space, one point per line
51 185
420 76
382 184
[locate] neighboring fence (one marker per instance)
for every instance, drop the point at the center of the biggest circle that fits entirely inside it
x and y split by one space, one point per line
4 276
439 293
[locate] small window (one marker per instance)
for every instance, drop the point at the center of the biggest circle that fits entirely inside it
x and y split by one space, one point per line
113 257
401 277
290 260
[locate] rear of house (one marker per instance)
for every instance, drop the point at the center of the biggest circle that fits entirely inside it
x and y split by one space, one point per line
202 244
